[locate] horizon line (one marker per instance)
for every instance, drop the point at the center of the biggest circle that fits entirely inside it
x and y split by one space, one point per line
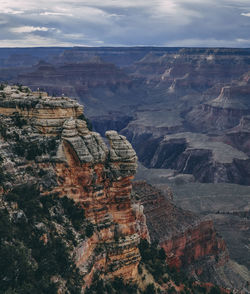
124 46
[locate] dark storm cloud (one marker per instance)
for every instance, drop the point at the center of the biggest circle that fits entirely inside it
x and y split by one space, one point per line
125 22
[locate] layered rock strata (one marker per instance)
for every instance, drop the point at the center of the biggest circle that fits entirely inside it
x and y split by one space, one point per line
226 110
239 136
205 157
66 158
186 239
191 243
100 180
46 113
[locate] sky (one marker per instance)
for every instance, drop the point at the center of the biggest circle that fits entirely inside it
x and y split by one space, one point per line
189 23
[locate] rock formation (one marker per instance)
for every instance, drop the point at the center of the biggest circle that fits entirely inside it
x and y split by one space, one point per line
147 93
190 242
226 110
79 165
185 238
46 140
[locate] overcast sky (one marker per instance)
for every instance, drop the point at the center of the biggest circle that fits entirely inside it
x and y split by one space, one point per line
206 23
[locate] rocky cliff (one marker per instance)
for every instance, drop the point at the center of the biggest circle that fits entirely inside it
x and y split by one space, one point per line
224 111
185 238
207 158
191 243
45 141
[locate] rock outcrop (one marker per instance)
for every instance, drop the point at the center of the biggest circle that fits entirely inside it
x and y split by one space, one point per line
46 137
239 136
191 243
185 238
46 113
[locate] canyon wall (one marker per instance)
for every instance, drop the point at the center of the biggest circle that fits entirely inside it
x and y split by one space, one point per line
185 237
190 242
74 162
148 93
45 140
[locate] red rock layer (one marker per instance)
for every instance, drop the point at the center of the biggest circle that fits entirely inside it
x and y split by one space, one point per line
194 244
186 239
106 200
80 167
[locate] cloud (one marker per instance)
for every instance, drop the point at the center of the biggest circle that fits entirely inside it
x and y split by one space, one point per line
246 41
209 43
35 41
46 13
125 22
246 14
10 11
29 29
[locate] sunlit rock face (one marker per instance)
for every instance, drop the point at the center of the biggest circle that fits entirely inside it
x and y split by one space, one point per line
47 136
100 180
46 113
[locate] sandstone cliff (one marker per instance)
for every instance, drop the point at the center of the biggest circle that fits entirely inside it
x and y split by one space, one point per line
44 140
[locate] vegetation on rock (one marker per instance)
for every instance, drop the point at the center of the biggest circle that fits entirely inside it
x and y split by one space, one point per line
38 234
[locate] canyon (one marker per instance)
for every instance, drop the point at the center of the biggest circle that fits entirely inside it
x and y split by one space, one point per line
45 141
153 93
184 110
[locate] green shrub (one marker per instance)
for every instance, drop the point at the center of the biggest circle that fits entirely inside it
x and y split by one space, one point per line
74 212
89 230
152 258
215 290
150 289
18 120
3 130
31 149
26 262
162 254
171 290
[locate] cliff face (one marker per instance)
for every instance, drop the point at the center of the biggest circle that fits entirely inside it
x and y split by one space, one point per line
226 110
191 243
239 136
196 243
207 158
103 188
82 76
43 140
88 81
187 240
